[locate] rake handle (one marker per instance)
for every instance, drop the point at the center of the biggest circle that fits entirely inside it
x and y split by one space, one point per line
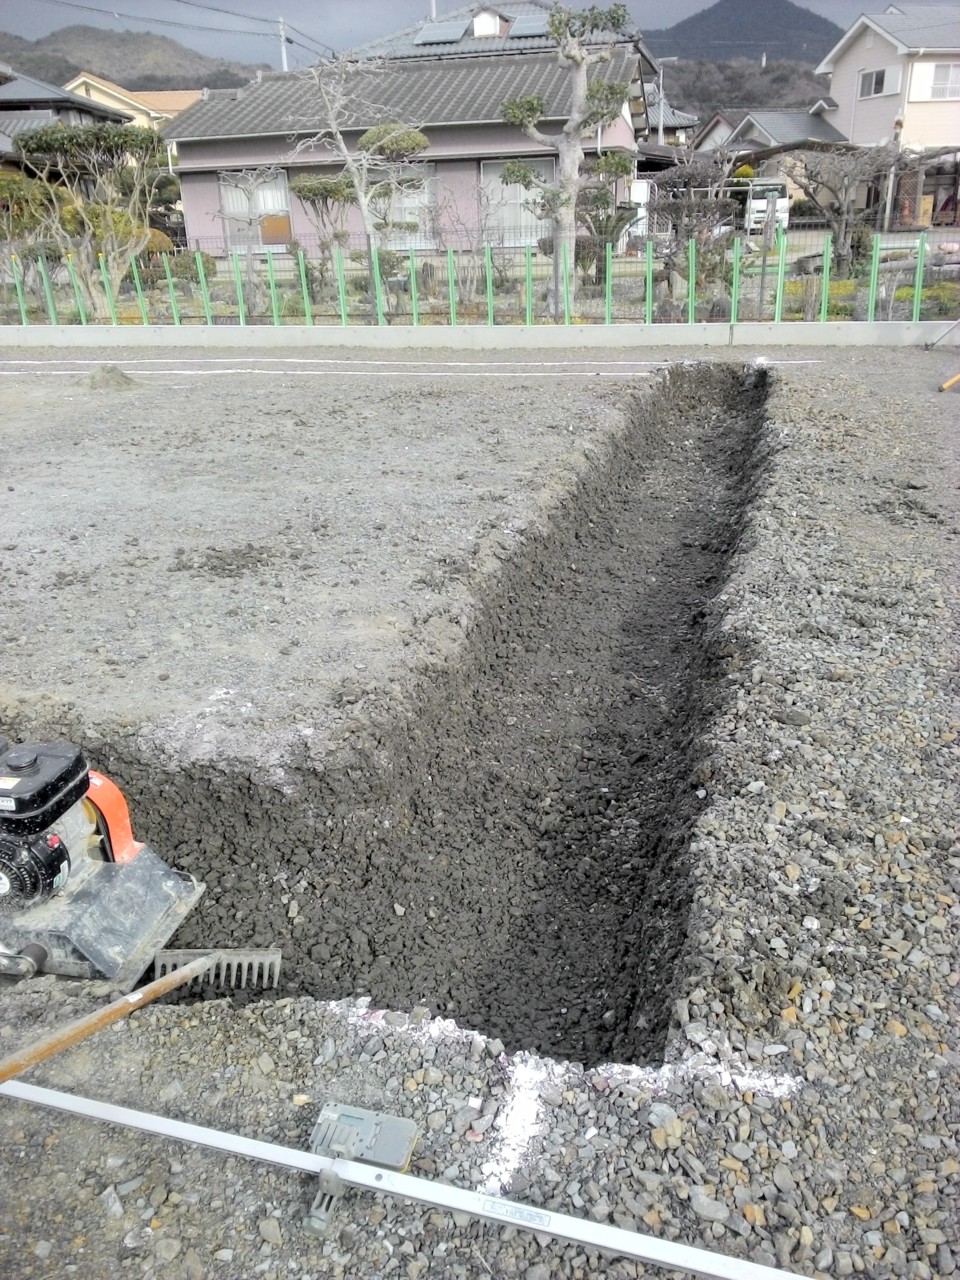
71 1034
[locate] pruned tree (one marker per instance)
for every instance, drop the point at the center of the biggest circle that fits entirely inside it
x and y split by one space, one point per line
248 183
376 153
692 202
94 185
585 39
326 198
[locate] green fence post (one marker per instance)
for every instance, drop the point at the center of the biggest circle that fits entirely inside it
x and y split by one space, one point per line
781 276
238 285
107 291
918 277
451 287
692 280
377 284
47 292
138 289
272 285
648 284
304 287
825 278
72 273
17 272
608 283
735 280
528 286
175 310
204 290
565 268
874 280
488 272
341 284
414 296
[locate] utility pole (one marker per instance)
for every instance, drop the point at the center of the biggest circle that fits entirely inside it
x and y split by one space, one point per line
283 45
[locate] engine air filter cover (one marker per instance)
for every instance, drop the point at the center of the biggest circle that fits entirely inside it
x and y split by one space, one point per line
39 781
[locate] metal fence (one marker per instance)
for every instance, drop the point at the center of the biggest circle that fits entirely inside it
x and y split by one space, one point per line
725 279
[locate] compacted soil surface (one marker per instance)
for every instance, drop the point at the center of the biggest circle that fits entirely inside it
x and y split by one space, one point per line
598 727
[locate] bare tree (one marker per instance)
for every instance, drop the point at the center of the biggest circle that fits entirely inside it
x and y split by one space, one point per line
93 190
248 183
375 152
832 177
594 102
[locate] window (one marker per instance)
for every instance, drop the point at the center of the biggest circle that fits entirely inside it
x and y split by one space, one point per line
511 218
255 213
946 80
875 84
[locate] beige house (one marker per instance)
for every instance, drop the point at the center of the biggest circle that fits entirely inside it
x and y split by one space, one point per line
150 109
897 74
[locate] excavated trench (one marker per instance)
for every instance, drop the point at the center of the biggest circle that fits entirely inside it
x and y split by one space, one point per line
511 847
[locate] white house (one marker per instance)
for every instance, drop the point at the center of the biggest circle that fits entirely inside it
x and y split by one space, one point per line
897 73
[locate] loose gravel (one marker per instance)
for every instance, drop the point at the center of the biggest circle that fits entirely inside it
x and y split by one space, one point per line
802 1110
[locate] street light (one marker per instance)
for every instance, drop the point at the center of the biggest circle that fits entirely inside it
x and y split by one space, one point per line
660 99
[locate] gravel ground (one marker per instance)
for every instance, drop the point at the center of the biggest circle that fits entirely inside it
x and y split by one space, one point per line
804 1111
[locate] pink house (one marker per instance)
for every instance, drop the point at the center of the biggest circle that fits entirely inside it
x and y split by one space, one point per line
455 99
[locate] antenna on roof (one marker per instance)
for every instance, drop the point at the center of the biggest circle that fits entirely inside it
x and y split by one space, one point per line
433 10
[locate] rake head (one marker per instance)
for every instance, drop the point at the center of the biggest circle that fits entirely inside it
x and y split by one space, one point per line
232 968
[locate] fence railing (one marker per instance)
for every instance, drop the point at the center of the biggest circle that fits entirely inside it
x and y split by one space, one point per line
903 276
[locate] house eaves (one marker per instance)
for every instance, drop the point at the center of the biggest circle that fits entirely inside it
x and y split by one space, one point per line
922 30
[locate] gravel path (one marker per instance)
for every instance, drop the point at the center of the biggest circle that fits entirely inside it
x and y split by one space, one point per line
805 1114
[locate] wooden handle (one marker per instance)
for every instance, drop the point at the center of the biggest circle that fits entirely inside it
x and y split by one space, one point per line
74 1032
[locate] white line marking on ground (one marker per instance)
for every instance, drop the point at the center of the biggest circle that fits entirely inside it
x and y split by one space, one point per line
519 372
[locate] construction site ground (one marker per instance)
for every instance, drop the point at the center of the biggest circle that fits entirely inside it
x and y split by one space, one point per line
584 731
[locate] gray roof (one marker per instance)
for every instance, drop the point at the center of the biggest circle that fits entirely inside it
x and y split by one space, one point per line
929 26
418 41
788 126
25 91
446 91
672 118
934 28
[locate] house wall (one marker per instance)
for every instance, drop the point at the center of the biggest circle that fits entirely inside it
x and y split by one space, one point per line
866 121
456 152
139 115
927 123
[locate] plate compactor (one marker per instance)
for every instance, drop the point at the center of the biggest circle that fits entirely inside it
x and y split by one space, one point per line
78 895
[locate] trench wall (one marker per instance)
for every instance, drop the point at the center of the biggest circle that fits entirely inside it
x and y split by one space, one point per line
504 837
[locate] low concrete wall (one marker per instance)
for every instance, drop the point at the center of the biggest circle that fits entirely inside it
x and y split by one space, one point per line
892 333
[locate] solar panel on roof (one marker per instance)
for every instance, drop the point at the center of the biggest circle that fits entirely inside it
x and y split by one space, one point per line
440 33
534 24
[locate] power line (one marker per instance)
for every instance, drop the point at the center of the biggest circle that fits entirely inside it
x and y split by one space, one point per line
160 22
212 8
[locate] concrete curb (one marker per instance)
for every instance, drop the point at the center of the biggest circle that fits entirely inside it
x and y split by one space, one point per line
891 333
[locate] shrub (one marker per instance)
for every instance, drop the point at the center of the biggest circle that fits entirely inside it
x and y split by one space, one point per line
183 266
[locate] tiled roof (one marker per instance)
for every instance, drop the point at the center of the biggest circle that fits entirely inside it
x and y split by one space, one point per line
791 126
672 118
409 43
930 27
168 102
445 91
25 91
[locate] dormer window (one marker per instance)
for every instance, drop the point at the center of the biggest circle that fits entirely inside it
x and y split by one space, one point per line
488 23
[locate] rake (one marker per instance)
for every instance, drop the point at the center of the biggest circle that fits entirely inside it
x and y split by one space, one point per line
179 969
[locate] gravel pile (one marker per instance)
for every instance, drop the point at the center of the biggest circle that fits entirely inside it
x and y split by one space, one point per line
805 1112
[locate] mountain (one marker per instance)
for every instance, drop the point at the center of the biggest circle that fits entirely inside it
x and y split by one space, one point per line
703 87
748 29
134 59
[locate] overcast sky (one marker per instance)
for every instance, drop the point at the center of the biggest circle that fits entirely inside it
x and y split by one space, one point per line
248 33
